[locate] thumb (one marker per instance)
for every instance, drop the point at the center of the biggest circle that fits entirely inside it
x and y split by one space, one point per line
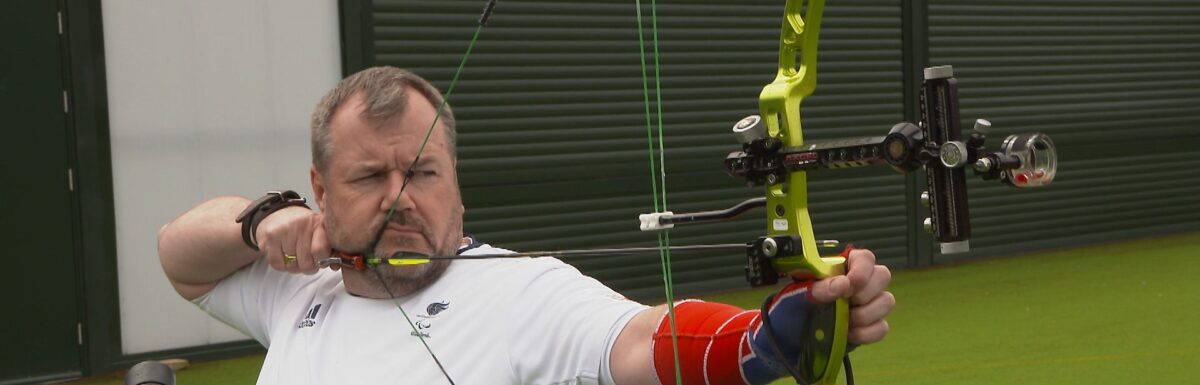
830 289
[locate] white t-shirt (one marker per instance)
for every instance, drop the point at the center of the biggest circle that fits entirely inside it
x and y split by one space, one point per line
489 321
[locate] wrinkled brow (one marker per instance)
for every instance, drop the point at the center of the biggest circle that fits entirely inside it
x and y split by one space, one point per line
368 167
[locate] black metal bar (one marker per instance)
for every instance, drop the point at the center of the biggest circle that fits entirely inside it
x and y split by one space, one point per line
714 215
949 217
835 154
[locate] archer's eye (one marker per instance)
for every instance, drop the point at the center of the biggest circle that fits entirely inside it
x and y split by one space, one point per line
368 177
423 177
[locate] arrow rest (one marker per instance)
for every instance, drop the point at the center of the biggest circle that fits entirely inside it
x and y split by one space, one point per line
760 271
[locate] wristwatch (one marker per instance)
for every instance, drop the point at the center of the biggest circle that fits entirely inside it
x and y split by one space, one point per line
261 208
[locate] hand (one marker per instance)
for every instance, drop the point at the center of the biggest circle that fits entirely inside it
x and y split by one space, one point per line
297 232
865 284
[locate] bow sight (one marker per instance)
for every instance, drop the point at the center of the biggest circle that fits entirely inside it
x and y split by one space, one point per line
935 144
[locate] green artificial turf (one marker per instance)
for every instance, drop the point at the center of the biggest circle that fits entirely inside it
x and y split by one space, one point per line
233 371
1109 314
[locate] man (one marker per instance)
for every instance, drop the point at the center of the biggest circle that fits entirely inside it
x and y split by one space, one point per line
490 321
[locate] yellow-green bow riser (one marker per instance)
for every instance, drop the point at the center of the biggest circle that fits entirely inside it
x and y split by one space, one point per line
787 200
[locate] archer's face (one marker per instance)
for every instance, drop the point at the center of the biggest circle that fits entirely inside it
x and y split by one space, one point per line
365 173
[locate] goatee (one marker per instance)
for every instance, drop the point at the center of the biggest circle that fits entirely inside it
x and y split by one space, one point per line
399 281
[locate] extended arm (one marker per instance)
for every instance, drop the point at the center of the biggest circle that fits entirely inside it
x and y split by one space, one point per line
708 330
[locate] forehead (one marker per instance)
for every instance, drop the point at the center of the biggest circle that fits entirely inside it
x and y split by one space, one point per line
352 127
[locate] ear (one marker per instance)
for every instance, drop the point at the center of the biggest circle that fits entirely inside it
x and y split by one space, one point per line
318 187
462 209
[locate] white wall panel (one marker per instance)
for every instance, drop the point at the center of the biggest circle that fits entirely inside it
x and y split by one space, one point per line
205 98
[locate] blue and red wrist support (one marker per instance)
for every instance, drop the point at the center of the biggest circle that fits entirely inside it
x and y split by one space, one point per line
722 344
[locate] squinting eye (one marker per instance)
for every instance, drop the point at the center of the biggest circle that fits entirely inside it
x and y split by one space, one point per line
424 173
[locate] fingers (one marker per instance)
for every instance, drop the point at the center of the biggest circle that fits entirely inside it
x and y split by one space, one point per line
872 312
860 274
875 285
304 260
865 285
830 289
868 334
285 239
272 252
870 303
319 245
859 267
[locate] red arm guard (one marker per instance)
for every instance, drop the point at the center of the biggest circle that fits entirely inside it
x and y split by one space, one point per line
712 342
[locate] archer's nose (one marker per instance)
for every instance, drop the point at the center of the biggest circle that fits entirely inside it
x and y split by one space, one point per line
398 197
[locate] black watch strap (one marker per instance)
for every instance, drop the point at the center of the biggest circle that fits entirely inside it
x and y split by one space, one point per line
261 208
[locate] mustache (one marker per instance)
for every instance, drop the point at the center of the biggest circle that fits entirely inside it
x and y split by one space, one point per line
402 218
407 219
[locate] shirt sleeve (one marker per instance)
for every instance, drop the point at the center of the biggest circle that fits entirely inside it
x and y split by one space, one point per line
250 299
565 325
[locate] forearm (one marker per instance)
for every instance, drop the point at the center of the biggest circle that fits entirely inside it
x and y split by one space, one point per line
204 245
709 338
714 345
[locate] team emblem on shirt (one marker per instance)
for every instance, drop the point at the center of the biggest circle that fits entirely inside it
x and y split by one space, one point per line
437 307
425 321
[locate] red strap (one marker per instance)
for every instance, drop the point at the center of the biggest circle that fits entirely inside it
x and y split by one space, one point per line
712 341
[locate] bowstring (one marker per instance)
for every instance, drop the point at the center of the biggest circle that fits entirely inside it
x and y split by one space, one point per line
408 177
659 198
416 332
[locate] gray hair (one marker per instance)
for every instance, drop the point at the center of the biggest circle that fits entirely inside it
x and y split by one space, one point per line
382 90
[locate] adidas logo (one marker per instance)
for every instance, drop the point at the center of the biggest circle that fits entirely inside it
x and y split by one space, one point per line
310 318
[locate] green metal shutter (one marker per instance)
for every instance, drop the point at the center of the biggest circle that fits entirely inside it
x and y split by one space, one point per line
552 137
1117 86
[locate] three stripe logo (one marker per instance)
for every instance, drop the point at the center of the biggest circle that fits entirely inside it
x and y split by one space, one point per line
310 318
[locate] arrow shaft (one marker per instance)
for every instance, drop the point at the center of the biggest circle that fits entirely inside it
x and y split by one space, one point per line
738 247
